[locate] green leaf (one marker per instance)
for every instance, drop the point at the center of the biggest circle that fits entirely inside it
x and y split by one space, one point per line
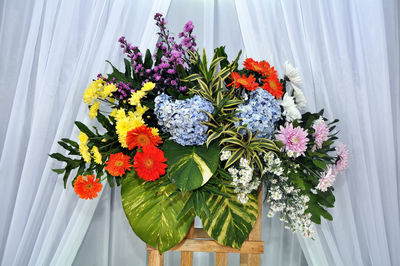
82 127
128 69
230 222
71 142
236 155
151 215
59 171
105 122
190 167
148 61
66 175
60 157
320 164
72 150
118 75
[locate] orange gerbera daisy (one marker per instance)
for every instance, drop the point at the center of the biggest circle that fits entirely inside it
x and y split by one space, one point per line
260 67
87 187
117 164
141 137
246 82
273 86
149 164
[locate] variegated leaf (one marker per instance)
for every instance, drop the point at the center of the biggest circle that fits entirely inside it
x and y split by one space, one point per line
152 217
230 222
190 167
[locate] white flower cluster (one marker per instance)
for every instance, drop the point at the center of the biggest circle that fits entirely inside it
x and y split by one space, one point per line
242 177
283 197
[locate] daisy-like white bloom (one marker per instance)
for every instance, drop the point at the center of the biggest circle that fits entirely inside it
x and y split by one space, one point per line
294 139
290 109
300 99
293 74
327 179
321 133
343 154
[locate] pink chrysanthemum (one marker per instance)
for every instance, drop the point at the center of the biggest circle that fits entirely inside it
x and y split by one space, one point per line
327 179
294 139
343 154
321 133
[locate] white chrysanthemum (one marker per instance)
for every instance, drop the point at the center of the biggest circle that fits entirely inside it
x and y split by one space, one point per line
290 109
299 97
293 74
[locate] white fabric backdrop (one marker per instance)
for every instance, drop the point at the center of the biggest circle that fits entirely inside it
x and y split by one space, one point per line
347 51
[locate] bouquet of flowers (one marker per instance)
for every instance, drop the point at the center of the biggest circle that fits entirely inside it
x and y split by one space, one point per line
185 137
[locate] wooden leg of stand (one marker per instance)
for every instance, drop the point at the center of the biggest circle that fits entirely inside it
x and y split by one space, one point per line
254 259
221 259
186 256
155 259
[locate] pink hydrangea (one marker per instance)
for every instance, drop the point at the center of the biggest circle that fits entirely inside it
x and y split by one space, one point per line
327 179
294 139
343 153
321 133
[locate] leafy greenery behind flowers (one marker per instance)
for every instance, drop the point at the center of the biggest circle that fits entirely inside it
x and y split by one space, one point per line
190 137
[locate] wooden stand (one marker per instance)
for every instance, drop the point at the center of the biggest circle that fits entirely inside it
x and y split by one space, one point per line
197 240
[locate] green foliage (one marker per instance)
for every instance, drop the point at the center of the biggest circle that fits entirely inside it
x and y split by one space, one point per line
190 167
152 214
230 222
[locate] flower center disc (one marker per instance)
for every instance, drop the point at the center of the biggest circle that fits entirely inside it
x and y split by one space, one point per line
119 163
89 186
149 163
143 139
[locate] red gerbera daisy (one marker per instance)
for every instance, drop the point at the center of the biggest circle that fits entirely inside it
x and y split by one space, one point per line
117 164
246 82
273 86
149 164
87 187
141 137
262 67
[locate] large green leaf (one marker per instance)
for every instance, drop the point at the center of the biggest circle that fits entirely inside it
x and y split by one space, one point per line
230 222
151 214
190 167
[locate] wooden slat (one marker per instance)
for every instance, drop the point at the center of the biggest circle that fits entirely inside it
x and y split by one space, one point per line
255 235
154 258
196 245
221 259
200 233
187 256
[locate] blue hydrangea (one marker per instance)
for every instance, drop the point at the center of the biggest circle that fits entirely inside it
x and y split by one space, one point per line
182 118
259 113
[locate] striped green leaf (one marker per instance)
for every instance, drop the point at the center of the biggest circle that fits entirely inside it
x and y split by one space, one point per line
190 167
236 155
152 216
230 222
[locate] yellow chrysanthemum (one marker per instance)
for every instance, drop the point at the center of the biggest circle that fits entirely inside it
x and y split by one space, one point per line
125 124
110 88
83 138
120 114
154 131
141 109
136 97
112 100
114 112
148 86
93 91
97 155
84 150
93 109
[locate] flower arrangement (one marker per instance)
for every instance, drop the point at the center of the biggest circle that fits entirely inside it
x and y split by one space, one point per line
185 137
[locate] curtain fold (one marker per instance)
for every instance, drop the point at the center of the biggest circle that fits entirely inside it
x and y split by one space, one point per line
348 55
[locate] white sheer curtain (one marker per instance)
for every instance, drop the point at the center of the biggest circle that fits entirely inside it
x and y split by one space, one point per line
347 51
